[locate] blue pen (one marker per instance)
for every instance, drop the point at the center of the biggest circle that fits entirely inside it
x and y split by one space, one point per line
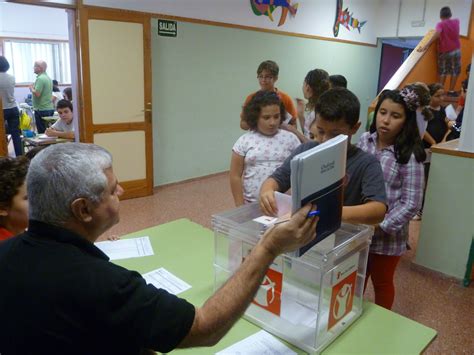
313 213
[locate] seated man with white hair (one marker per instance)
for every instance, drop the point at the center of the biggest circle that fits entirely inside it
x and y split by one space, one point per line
61 295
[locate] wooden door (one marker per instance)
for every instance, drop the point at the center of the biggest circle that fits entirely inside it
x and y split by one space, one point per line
3 142
116 78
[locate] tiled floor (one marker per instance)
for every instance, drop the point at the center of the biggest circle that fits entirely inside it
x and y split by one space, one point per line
429 298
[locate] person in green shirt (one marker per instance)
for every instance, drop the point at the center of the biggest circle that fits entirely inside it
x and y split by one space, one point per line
42 92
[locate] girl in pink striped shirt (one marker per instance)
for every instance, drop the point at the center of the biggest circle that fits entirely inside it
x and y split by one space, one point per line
395 140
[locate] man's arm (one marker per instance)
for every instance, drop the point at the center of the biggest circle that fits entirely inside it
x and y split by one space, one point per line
226 306
37 88
371 212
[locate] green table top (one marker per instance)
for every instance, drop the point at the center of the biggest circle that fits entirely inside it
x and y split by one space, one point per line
186 249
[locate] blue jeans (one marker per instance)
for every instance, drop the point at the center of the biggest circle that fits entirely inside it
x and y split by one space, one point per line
12 127
40 125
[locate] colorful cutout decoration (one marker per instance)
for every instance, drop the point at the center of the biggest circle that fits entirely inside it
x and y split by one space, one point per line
344 18
266 8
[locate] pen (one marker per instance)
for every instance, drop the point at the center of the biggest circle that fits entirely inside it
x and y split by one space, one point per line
310 214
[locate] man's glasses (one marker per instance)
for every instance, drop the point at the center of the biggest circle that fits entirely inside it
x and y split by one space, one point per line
261 77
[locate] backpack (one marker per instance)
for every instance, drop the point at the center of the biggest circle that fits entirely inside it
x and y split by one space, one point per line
25 121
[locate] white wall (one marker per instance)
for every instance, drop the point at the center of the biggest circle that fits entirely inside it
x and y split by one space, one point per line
412 10
399 16
313 17
38 22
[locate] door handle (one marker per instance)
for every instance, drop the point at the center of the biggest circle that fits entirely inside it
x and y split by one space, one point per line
147 110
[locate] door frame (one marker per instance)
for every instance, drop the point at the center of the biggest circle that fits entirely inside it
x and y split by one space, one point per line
134 188
70 5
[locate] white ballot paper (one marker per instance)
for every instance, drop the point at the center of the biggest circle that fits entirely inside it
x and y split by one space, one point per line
126 248
283 202
261 343
162 278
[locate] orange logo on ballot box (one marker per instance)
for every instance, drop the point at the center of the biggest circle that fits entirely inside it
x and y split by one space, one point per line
342 297
269 293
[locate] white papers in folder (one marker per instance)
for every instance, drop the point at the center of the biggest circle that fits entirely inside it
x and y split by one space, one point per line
261 343
317 168
126 248
450 112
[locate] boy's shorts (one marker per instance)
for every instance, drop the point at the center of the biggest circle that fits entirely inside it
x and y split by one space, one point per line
449 63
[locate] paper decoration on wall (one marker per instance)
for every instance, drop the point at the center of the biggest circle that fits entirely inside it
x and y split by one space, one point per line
266 8
344 18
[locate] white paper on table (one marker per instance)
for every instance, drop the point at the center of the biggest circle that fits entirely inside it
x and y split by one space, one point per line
162 278
126 248
265 220
261 343
450 112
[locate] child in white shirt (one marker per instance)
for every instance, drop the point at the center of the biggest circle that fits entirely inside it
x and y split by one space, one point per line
64 127
257 153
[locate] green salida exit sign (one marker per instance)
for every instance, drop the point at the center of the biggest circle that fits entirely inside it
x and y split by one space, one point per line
167 28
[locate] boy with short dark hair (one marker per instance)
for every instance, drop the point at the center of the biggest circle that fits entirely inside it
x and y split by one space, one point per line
63 128
337 112
267 75
338 81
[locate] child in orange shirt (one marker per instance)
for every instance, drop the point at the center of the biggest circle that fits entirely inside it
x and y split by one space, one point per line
267 75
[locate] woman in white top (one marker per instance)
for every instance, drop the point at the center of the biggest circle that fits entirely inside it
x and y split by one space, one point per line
11 113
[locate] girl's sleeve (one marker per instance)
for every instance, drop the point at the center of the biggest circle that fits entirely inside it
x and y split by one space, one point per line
240 147
409 203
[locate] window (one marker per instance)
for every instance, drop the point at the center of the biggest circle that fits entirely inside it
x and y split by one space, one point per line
21 54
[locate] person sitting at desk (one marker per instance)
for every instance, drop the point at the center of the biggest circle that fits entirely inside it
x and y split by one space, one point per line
61 295
63 128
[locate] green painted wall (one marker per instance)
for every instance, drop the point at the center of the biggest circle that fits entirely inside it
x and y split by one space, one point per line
447 228
201 78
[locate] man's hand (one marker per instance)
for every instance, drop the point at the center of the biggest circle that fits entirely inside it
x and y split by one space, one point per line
291 235
267 201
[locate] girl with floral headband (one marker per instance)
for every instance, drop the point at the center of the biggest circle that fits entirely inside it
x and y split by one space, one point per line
395 141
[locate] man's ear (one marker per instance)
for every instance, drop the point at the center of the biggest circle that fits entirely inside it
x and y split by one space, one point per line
355 128
3 212
81 210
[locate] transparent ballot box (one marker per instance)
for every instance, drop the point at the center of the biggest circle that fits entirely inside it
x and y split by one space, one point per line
307 300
